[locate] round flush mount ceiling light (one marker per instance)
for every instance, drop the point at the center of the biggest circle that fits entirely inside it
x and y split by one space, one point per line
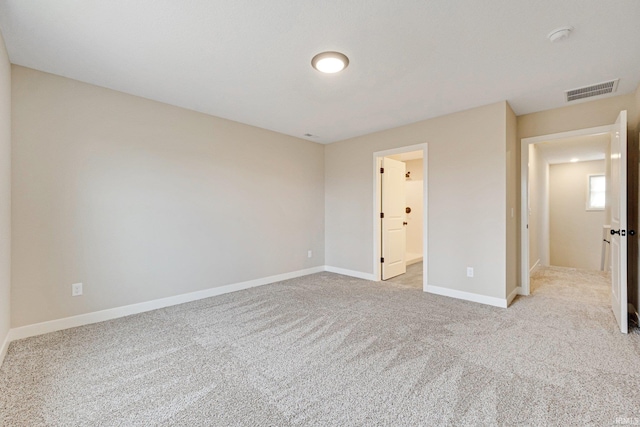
559 34
330 62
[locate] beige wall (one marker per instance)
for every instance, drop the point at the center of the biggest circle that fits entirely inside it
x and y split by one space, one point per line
5 192
415 200
513 249
538 208
600 112
467 198
575 233
140 200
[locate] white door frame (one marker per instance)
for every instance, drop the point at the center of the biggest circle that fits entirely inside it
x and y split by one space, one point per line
524 192
377 157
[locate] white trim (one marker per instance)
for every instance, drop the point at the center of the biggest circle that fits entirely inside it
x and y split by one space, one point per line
128 310
425 207
524 191
5 347
352 273
598 130
513 294
534 267
468 296
377 208
524 216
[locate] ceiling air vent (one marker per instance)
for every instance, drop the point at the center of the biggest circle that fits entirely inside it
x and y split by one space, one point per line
593 90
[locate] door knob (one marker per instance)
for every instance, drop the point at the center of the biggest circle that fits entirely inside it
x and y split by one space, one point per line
404 223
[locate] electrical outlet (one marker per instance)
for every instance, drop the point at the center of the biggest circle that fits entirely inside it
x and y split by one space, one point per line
76 289
469 271
309 254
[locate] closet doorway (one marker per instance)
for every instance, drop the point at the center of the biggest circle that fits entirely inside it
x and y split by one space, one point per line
400 215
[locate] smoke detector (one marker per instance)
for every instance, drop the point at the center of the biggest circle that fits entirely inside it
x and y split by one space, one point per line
559 34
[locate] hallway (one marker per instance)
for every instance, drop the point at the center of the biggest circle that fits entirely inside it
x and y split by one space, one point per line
588 289
588 286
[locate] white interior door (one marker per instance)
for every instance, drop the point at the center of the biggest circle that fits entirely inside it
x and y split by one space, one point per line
394 235
618 202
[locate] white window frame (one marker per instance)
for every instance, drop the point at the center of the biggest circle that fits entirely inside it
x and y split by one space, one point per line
588 204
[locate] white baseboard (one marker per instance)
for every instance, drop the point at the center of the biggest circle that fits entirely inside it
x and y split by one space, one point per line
352 273
127 310
513 294
414 260
5 347
468 296
535 267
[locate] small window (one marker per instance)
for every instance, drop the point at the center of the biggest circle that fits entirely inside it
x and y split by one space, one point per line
597 191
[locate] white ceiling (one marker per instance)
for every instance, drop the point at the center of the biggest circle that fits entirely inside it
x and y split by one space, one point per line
249 61
583 148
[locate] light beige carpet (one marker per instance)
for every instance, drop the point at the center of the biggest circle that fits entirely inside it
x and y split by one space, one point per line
412 278
327 350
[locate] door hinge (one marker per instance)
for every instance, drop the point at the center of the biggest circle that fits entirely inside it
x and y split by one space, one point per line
382 260
381 214
381 170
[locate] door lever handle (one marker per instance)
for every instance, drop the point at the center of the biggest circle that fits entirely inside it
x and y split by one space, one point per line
622 232
404 223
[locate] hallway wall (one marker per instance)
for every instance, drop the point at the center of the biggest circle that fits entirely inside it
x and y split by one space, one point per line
538 208
575 232
415 201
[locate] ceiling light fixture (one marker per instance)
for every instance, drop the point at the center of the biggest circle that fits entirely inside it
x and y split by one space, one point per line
330 62
559 34
574 160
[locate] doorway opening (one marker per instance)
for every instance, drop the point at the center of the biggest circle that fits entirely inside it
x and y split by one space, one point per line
565 222
567 209
538 154
568 216
400 215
